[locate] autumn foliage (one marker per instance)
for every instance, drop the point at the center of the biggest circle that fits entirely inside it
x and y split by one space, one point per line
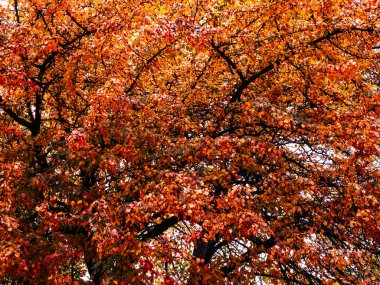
189 142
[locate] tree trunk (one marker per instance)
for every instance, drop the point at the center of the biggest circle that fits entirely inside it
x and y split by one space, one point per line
93 264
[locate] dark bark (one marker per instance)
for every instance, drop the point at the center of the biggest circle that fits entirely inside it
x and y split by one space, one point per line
158 229
93 264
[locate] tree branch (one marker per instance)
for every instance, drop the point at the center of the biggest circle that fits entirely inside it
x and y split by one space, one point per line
75 21
17 12
15 117
246 257
230 63
158 229
157 54
245 82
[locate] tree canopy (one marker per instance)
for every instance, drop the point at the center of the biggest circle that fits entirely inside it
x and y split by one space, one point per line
189 142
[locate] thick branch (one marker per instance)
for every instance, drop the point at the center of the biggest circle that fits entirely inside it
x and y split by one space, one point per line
206 250
239 91
15 117
158 229
16 12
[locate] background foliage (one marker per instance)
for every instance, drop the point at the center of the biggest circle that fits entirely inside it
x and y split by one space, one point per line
189 142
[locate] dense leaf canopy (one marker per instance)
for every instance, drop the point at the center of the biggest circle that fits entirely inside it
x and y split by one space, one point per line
189 142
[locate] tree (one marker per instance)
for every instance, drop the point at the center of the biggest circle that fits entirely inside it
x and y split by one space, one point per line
189 142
